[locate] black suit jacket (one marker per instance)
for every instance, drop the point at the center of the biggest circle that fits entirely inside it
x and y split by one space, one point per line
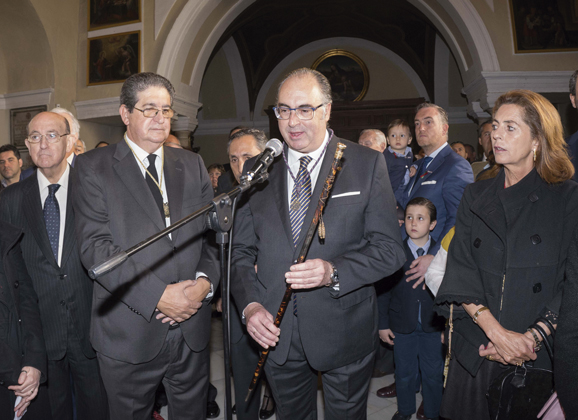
399 307
64 290
363 241
116 210
21 338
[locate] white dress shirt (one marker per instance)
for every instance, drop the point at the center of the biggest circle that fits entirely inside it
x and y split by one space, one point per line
61 197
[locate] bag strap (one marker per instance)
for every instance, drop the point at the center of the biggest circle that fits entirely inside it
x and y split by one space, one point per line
545 342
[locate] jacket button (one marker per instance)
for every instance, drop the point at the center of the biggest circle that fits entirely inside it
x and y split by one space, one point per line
174 250
477 242
533 197
536 239
16 284
62 276
1 382
20 321
537 288
62 302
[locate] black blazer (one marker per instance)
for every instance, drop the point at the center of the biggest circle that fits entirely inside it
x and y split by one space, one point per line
362 241
116 210
64 290
399 306
21 338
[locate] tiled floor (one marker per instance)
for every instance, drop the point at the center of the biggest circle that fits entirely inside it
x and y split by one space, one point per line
377 408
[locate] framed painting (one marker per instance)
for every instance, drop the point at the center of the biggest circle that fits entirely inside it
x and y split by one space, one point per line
544 25
346 72
19 119
113 58
107 13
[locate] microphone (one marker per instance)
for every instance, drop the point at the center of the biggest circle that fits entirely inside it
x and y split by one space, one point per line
273 148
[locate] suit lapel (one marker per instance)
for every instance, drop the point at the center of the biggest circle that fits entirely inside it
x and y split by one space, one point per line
430 170
130 174
69 237
32 209
174 180
278 181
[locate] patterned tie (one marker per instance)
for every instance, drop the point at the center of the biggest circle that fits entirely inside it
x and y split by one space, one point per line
302 193
420 252
152 185
52 218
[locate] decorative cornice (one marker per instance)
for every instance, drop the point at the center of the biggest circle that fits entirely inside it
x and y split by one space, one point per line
458 115
186 107
184 124
26 99
97 108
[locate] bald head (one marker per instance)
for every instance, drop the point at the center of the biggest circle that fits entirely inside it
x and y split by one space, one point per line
172 141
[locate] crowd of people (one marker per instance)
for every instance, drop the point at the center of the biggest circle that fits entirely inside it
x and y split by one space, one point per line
445 270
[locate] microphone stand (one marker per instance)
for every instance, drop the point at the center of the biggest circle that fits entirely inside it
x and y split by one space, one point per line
219 217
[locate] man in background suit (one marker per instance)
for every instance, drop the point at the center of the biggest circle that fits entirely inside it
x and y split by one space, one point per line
331 324
74 132
150 319
441 177
573 139
41 206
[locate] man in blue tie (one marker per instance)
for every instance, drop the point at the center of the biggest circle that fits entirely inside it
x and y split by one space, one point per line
41 206
441 177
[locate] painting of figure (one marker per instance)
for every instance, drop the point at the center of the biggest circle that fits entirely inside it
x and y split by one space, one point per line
113 58
107 13
346 72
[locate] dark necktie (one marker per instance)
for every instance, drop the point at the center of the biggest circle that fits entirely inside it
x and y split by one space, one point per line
52 218
420 252
152 169
301 194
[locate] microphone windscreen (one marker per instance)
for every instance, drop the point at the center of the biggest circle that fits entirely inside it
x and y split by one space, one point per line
275 145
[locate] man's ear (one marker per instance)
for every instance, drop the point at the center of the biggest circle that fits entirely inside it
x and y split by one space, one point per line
573 100
124 113
20 163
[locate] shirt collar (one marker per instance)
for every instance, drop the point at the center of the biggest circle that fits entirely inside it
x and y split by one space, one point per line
404 154
413 247
43 182
140 153
437 151
294 156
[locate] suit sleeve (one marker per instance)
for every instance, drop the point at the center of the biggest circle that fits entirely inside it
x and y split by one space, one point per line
97 244
382 254
458 178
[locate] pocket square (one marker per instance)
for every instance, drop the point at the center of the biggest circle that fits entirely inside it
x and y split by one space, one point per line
346 194
428 182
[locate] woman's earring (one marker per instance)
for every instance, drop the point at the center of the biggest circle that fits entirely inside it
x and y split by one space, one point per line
534 155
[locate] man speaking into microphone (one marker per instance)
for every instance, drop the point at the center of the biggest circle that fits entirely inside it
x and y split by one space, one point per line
331 322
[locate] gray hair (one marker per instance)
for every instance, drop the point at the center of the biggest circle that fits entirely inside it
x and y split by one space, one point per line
442 112
258 135
75 127
380 137
321 80
140 82
482 125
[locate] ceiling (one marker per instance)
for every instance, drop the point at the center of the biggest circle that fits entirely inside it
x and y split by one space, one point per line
267 32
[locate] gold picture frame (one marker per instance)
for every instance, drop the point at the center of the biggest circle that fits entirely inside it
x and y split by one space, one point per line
113 58
106 14
346 72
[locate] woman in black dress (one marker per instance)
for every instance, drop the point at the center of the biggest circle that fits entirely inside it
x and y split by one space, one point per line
507 259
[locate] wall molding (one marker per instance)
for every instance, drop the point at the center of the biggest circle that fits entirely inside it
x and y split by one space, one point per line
26 98
97 108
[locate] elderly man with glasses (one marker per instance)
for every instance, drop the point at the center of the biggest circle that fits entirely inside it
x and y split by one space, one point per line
331 323
41 205
151 315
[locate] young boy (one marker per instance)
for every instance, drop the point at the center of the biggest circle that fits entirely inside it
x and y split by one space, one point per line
398 155
407 321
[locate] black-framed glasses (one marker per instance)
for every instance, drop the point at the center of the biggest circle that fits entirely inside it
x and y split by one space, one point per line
153 112
51 137
303 113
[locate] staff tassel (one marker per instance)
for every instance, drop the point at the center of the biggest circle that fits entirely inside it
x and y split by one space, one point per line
335 167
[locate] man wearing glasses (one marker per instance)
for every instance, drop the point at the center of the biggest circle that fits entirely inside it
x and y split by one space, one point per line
331 323
150 316
41 205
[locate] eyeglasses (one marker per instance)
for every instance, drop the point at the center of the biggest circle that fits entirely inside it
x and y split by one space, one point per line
303 113
51 137
153 112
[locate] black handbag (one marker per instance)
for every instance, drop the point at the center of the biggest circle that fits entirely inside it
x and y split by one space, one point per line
520 392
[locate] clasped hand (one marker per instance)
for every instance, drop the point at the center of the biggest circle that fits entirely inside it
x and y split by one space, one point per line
27 388
310 274
509 347
182 300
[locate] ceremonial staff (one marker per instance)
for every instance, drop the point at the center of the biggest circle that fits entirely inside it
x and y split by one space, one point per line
301 258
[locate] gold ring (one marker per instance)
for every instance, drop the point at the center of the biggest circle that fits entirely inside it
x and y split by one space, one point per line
490 358
519 363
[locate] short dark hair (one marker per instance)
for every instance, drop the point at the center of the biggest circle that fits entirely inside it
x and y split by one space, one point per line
10 148
397 122
421 201
458 142
322 82
573 83
260 137
442 112
101 142
216 166
140 82
237 128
